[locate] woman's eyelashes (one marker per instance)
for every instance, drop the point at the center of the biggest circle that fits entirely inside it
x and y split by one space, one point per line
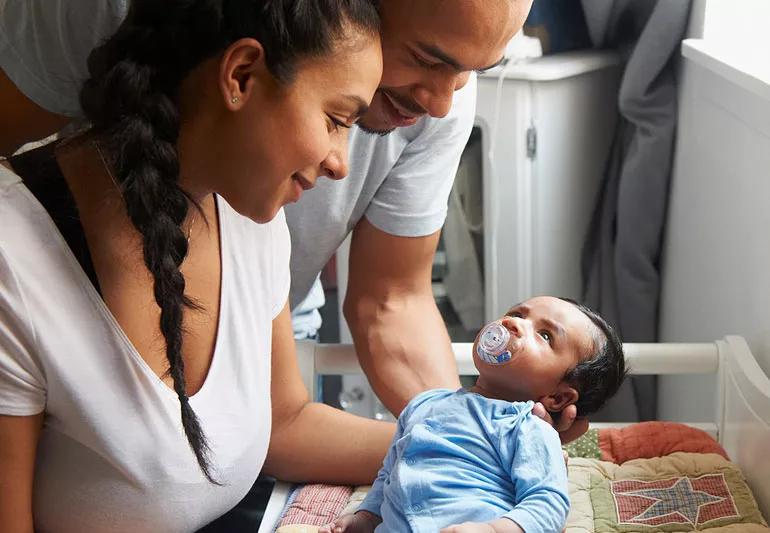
336 124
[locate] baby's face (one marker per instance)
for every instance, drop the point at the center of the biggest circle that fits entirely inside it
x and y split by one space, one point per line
549 337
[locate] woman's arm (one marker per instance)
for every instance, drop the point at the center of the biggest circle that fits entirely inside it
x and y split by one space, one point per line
18 445
312 441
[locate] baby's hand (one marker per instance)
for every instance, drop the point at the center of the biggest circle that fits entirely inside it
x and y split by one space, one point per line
501 525
361 522
469 527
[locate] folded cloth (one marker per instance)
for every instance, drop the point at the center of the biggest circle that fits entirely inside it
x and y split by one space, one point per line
654 439
315 505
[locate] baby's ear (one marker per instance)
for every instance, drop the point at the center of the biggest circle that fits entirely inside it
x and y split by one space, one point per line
563 396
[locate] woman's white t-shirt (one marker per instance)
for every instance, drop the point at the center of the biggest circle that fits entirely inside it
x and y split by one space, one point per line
113 455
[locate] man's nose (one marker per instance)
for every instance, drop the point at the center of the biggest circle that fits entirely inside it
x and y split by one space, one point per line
436 96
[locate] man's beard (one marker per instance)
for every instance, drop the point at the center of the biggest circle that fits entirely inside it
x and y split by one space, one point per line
382 132
374 131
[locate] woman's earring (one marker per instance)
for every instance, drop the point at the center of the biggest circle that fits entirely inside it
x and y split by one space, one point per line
235 99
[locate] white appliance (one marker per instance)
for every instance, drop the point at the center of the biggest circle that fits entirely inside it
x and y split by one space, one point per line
547 125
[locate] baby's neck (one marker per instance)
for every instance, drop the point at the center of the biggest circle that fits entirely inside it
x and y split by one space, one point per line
493 394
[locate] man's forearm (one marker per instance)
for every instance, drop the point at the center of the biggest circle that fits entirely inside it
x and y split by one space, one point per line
403 346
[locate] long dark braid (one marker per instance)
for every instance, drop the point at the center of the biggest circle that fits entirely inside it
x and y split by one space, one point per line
131 101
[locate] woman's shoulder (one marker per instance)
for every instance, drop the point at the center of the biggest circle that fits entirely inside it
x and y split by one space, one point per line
20 213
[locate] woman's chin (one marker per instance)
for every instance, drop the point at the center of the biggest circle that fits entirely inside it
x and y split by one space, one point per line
266 215
260 213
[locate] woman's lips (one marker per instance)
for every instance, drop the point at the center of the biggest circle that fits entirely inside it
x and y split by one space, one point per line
305 183
301 184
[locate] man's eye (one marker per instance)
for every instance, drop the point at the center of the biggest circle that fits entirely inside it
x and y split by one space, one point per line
420 61
546 336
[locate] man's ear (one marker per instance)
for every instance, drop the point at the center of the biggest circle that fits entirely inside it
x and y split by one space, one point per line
563 396
241 69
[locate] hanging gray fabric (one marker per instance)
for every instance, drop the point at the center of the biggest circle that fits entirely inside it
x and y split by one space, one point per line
621 256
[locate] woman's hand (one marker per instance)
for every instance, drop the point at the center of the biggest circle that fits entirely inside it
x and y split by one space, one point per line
569 426
361 522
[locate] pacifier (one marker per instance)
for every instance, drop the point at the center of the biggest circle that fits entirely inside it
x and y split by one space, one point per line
492 346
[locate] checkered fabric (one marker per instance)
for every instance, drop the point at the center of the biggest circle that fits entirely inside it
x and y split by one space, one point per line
316 505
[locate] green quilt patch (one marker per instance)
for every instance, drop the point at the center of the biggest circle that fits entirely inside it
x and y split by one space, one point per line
586 446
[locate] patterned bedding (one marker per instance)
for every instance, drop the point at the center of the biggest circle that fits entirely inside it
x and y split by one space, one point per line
641 441
678 492
652 476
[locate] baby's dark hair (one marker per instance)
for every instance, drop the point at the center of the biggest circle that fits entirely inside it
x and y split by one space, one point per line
131 101
599 377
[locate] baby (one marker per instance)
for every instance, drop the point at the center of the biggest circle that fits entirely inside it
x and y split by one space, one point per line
478 460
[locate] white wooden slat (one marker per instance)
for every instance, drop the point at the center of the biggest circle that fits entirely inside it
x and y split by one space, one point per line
660 359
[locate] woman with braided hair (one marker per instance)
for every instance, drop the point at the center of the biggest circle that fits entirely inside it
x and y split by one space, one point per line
147 364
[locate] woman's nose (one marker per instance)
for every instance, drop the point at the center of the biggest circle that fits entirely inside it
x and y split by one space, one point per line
335 166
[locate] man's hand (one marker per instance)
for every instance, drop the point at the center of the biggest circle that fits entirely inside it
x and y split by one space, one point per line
501 525
569 426
360 522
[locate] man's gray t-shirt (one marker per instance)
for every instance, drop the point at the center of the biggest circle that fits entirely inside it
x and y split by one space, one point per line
399 182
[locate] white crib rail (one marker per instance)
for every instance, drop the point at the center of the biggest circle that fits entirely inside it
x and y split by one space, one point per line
641 358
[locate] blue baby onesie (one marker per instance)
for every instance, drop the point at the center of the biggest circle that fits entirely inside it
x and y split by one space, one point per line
458 456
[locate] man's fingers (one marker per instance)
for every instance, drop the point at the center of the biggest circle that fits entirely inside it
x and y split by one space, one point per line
567 418
569 425
579 427
540 411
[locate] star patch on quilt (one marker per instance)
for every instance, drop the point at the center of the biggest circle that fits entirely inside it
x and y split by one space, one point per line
677 500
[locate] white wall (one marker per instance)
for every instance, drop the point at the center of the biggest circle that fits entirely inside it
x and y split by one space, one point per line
716 263
734 22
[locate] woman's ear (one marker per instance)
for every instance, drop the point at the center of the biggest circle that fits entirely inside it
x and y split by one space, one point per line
242 68
563 396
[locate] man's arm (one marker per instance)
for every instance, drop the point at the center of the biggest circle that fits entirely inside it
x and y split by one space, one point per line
400 336
24 120
312 441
